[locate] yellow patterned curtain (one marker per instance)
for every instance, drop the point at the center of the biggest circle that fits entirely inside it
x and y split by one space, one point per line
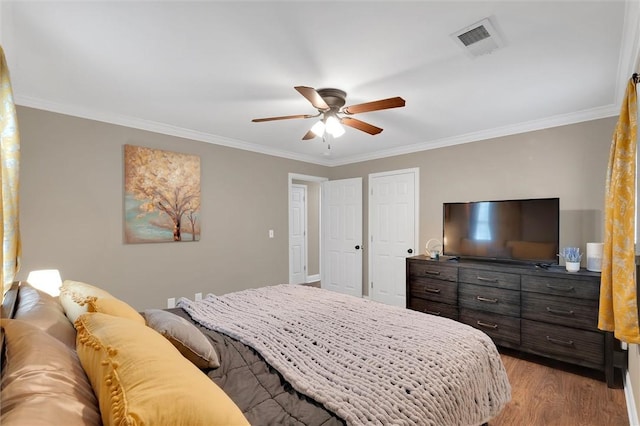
10 167
618 299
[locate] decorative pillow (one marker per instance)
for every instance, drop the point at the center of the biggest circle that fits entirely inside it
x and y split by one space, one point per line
185 336
43 381
73 297
141 378
115 307
45 312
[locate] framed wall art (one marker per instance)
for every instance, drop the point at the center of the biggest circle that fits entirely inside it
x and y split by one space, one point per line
162 196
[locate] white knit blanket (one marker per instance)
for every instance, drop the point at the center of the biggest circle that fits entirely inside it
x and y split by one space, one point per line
367 362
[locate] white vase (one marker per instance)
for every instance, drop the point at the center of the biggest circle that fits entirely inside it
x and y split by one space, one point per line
572 266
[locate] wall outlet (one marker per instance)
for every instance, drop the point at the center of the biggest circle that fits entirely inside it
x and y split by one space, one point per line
270 233
171 302
198 297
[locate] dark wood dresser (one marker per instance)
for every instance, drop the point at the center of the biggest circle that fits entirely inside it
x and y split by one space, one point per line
547 312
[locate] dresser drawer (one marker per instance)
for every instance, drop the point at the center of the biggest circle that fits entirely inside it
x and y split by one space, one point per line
489 299
490 278
434 308
433 270
502 329
436 290
579 346
570 312
583 289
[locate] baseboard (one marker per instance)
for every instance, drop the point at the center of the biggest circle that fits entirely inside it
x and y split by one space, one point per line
632 410
313 278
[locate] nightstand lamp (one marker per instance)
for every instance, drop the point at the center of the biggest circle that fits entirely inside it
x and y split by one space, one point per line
47 280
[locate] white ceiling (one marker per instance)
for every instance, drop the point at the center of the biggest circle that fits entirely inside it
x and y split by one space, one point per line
203 70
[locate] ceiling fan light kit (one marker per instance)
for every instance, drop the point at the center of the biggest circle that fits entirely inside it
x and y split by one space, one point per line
333 126
318 128
330 124
330 105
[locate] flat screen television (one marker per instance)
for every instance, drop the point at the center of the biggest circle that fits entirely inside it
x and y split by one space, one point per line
506 230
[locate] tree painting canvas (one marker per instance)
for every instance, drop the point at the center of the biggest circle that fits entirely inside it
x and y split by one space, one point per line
162 195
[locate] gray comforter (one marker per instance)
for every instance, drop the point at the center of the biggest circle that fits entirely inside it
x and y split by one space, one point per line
262 394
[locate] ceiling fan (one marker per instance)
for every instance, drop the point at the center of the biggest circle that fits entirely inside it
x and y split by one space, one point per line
330 105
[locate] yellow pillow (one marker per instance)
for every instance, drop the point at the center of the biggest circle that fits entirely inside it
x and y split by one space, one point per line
73 297
139 377
115 307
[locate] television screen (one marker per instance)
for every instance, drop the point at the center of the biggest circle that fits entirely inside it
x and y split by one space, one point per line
514 230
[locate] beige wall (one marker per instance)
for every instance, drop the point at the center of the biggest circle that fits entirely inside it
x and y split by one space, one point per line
72 213
569 162
72 202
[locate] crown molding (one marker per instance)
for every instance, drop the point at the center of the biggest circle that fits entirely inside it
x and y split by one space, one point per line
152 126
165 129
529 126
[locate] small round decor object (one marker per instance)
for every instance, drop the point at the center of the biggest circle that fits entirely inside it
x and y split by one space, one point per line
434 248
572 266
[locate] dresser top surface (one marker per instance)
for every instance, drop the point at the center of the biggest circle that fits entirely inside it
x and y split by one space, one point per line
516 268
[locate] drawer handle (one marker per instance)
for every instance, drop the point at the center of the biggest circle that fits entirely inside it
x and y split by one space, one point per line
432 312
432 272
484 299
484 324
432 290
556 311
560 342
488 280
555 287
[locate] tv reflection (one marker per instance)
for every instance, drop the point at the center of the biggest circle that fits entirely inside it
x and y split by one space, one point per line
525 230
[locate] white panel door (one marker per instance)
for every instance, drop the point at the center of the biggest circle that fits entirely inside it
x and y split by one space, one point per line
392 234
298 235
342 234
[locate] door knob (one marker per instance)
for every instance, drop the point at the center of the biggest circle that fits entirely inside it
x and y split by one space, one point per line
357 247
410 251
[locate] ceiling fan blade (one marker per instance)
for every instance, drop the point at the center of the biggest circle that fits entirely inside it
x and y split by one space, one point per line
309 135
374 106
284 117
361 125
312 96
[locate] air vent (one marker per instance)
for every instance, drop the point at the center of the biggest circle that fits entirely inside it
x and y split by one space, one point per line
473 36
478 39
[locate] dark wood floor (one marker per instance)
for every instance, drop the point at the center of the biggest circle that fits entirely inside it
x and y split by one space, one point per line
556 394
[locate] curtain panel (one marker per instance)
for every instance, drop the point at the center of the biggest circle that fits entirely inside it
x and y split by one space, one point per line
618 299
9 168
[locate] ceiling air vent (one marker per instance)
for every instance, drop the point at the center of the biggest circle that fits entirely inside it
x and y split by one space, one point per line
478 39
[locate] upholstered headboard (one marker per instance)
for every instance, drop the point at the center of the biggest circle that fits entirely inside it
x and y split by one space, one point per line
10 301
9 304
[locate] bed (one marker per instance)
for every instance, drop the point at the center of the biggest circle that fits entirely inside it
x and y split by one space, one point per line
281 355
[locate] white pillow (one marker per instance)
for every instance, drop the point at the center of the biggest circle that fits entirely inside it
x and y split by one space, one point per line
74 297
